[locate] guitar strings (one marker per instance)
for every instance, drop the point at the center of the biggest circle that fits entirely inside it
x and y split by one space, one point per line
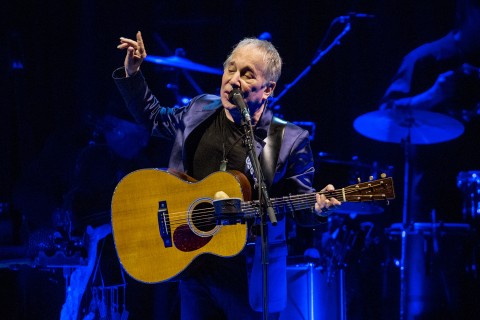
205 216
296 202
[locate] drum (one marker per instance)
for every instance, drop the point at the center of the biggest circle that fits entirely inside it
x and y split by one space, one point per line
436 263
313 293
469 183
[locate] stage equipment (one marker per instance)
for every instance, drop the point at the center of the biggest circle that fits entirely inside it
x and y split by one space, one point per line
414 126
440 258
407 127
352 170
313 294
182 63
317 279
359 208
324 49
175 60
469 183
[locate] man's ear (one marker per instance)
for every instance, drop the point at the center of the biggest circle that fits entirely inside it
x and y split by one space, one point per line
269 89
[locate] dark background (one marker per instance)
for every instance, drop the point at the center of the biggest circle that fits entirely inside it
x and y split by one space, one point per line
68 52
57 57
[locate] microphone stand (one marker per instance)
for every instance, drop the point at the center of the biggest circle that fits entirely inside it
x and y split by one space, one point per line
264 201
320 55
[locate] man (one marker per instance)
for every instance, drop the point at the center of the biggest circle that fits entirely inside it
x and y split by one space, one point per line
208 136
442 76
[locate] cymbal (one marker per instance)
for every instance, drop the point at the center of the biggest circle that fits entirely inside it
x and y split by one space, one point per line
422 127
182 63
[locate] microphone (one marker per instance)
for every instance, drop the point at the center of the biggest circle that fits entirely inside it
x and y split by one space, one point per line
237 98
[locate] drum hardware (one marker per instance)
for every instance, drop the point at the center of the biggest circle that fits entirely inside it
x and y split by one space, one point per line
311 295
317 286
48 248
182 63
469 183
407 127
428 228
436 253
416 126
356 167
353 168
176 60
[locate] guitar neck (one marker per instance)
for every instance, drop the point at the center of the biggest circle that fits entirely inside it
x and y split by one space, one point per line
281 205
375 190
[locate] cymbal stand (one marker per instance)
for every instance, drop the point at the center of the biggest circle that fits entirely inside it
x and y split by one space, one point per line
405 216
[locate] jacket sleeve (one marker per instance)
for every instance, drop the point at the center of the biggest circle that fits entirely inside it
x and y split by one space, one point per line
144 106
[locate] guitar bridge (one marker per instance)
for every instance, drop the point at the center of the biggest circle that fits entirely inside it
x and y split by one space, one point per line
164 224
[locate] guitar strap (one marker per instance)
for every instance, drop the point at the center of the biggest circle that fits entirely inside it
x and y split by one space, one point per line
271 151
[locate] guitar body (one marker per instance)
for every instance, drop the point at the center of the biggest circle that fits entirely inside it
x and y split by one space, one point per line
162 221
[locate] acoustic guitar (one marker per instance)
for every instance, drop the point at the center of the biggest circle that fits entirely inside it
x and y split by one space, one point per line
162 220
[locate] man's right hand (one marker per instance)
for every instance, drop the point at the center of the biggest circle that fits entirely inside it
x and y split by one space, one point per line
136 53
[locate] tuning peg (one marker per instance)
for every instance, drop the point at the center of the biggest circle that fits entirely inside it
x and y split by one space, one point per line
383 175
359 180
370 178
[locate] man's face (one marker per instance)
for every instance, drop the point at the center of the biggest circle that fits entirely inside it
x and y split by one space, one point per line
245 70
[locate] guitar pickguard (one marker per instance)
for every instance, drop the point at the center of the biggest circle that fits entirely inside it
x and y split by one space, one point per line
185 240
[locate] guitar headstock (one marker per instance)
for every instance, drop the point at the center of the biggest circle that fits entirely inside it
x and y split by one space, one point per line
373 190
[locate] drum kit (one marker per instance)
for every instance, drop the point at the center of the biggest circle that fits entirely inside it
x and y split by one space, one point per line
419 127
415 249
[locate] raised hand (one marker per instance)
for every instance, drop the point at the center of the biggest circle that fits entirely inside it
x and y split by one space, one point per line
136 53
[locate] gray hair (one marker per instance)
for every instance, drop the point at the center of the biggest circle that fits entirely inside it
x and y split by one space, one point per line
271 57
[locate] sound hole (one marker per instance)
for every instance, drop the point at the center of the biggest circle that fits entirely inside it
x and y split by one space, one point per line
203 218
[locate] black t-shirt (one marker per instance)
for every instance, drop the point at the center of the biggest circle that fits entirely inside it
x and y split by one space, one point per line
221 140
217 140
